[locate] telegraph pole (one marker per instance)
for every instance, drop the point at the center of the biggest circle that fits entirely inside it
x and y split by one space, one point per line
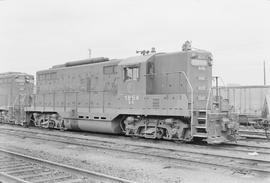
264 73
90 53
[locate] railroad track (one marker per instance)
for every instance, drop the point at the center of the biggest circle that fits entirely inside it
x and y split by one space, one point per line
255 134
247 148
111 139
227 146
213 159
20 168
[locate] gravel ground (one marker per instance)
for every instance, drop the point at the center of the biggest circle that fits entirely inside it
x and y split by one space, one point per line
125 165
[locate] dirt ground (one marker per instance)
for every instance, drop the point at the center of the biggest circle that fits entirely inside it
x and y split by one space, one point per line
125 165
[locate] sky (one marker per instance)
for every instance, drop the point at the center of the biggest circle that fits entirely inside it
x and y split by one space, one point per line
37 34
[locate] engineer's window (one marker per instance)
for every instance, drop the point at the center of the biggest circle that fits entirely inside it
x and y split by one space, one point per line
131 73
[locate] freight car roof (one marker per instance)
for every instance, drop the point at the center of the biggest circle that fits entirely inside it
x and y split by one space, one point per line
244 87
9 74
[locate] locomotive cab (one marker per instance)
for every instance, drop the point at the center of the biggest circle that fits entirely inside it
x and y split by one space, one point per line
168 95
132 73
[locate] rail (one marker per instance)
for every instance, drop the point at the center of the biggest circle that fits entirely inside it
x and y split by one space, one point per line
46 164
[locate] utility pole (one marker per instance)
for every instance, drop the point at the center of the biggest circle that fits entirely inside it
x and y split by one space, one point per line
90 53
264 73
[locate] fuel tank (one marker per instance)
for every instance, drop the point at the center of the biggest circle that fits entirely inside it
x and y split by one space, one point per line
93 126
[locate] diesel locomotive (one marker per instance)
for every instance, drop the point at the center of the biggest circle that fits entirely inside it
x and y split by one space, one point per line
154 95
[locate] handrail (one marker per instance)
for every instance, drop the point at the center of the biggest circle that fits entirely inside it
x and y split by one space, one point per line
191 98
208 99
206 109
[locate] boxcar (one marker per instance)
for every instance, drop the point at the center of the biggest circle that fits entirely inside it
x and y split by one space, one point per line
15 90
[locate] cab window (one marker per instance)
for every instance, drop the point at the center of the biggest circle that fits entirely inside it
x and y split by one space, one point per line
131 73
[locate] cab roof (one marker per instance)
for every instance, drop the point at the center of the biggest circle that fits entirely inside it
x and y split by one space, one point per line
135 60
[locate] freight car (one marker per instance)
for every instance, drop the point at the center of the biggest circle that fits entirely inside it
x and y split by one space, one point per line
156 95
15 90
246 100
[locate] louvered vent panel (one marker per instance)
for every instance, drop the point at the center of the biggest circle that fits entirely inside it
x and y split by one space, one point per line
156 103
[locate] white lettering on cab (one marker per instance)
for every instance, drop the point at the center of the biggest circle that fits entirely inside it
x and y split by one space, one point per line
131 98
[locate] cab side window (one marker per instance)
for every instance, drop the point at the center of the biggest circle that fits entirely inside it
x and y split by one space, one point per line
131 73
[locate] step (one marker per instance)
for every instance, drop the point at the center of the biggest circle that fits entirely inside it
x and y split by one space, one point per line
201 121
202 110
200 118
200 127
200 135
202 113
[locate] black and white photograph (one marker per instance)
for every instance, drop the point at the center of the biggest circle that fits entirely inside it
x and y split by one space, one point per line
125 91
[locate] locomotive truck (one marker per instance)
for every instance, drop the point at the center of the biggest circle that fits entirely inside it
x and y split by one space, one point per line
155 95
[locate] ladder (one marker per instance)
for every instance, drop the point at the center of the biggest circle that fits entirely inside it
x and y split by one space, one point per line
200 125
